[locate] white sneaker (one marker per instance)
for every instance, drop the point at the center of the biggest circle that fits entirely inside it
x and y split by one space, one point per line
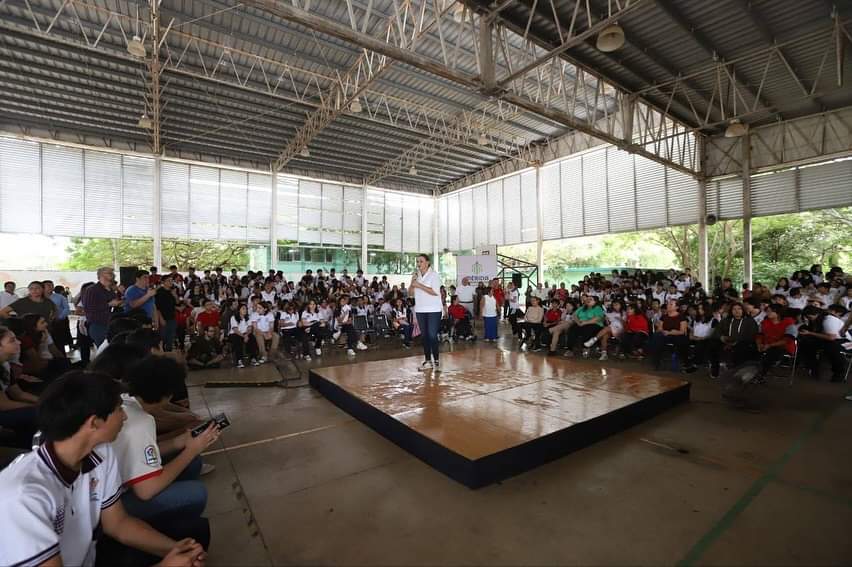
426 365
849 397
255 362
335 335
361 346
262 360
319 352
307 357
350 352
523 347
603 356
206 468
437 365
240 364
590 342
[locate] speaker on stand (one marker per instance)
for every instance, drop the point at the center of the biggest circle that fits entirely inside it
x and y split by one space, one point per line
127 275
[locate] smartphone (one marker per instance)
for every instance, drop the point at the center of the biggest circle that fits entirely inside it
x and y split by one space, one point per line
220 420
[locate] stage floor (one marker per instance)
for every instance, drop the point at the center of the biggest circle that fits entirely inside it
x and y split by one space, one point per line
490 414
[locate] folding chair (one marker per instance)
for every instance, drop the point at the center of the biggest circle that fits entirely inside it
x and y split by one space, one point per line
847 354
381 326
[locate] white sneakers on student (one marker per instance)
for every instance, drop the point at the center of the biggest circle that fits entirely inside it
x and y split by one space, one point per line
590 342
335 335
426 365
361 346
319 352
307 357
350 352
603 356
240 364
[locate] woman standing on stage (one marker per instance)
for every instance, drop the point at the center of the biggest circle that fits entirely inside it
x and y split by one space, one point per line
426 285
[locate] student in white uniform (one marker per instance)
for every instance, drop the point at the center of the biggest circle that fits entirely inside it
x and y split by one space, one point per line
426 285
288 325
312 327
263 322
242 338
63 494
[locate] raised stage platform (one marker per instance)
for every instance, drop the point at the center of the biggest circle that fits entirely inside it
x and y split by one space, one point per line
490 414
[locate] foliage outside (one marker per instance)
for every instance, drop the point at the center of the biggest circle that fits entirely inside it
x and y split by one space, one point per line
87 254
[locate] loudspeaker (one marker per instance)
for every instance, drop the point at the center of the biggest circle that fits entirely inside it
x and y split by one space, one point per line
127 275
518 280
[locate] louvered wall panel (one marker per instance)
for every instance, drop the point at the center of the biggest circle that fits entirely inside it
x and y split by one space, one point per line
427 215
453 228
466 220
375 218
650 193
529 208
137 203
825 186
174 200
104 195
551 202
204 203
352 204
233 204
288 208
512 209
410 225
595 219
20 174
332 214
729 193
495 212
63 200
480 221
259 207
571 195
393 222
442 224
774 193
621 191
682 191
310 212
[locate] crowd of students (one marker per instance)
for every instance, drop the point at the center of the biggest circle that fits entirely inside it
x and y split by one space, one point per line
113 447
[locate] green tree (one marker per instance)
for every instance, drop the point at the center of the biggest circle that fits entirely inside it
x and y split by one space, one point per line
91 253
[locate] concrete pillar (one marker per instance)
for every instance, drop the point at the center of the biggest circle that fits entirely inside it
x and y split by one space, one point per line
746 176
703 251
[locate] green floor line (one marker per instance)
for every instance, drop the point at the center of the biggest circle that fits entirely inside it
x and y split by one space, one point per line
825 494
746 499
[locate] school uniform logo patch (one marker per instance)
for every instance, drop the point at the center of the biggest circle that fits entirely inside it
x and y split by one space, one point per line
151 456
93 490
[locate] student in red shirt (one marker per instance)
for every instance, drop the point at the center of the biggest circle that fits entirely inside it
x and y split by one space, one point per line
459 318
499 295
774 341
183 312
636 332
208 318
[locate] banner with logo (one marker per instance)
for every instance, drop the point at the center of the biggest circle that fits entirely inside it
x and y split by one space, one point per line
476 268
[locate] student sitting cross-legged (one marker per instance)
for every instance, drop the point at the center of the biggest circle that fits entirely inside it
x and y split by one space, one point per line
58 499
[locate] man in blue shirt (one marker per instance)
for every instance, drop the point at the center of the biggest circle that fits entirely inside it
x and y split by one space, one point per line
140 296
59 329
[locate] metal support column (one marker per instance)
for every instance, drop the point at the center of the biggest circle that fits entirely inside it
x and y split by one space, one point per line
436 252
273 224
539 233
156 217
703 250
365 254
746 175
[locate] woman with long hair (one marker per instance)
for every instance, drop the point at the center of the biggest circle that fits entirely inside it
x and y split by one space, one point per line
312 327
426 285
39 356
17 407
242 337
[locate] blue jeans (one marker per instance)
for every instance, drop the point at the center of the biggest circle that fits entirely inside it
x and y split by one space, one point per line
97 332
186 497
429 324
490 327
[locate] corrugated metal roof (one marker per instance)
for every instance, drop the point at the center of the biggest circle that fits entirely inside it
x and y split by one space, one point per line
240 82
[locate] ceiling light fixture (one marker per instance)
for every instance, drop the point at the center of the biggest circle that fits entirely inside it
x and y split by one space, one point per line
145 122
355 107
305 152
412 171
483 139
136 48
736 129
610 39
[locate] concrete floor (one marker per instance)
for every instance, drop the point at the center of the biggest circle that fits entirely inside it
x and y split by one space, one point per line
298 481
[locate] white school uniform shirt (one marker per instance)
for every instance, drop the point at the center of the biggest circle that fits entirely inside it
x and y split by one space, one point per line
309 318
288 320
490 306
326 314
702 330
7 299
661 296
52 512
268 296
401 314
425 302
846 302
386 309
465 293
264 323
797 302
682 286
513 299
616 323
345 314
242 325
136 446
832 325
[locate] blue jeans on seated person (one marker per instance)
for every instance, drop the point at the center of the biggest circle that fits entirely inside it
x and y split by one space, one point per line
186 497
